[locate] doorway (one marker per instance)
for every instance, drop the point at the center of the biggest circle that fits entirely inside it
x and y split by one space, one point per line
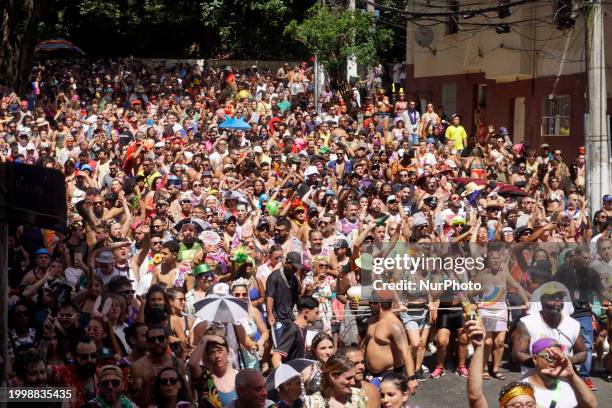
518 120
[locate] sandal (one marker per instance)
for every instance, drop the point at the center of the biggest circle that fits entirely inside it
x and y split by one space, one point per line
498 376
485 375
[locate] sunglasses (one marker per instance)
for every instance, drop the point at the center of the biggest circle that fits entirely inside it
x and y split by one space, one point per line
168 381
85 356
110 383
156 339
156 242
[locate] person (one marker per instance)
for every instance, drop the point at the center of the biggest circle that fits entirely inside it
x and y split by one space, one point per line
170 389
289 393
394 391
584 283
456 134
213 350
322 348
553 376
292 342
337 387
386 345
81 377
110 389
31 370
554 371
144 370
282 291
355 354
550 322
250 390
493 310
256 331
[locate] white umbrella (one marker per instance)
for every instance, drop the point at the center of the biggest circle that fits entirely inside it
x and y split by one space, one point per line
287 371
221 308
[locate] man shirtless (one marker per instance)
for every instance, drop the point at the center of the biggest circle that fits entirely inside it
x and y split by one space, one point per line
492 308
168 274
145 369
385 345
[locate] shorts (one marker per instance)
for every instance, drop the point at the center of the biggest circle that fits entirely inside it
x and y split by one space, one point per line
450 319
376 379
495 320
415 320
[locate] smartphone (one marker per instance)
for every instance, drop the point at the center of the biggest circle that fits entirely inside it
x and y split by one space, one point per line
78 257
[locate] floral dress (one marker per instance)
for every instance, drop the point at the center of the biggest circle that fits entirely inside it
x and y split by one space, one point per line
357 399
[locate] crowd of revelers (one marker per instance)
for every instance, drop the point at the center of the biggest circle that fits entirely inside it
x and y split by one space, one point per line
217 232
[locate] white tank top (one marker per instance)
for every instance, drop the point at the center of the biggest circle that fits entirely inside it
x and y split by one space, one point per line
566 333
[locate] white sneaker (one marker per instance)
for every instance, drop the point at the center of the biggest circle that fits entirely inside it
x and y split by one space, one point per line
424 368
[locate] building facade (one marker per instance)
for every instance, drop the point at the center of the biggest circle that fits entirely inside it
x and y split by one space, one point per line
531 79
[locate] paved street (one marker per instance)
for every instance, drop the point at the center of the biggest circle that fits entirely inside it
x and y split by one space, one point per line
450 390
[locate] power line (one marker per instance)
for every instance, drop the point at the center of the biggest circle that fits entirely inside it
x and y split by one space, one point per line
444 13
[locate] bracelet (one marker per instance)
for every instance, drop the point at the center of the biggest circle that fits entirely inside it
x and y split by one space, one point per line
412 377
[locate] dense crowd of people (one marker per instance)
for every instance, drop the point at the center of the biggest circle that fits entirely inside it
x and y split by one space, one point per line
218 227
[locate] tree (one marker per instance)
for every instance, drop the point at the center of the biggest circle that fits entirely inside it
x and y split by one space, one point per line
333 34
20 25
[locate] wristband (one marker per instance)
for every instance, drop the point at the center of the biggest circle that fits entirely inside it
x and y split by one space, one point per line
412 377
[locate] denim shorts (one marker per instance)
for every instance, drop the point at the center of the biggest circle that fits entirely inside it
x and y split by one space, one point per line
415 320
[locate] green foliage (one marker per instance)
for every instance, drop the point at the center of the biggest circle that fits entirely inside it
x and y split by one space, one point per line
333 34
242 29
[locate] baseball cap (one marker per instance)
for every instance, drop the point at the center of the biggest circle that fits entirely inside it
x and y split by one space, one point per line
520 231
391 198
262 225
294 259
552 288
213 338
431 201
228 217
41 251
341 243
607 198
108 371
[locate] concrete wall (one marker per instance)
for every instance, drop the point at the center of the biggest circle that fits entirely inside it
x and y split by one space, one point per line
530 49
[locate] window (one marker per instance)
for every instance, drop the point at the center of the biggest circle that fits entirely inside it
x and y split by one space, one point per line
452 21
556 115
449 98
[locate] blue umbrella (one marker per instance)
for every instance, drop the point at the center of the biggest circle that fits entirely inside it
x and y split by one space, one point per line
234 124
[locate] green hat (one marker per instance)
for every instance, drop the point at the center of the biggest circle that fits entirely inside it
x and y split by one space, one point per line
324 150
201 269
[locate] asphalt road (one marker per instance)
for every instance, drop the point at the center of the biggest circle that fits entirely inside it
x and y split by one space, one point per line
450 390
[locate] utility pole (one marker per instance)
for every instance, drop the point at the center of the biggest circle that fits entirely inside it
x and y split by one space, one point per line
351 61
597 139
318 78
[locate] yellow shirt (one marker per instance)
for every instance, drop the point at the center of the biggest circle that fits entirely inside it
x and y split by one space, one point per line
457 135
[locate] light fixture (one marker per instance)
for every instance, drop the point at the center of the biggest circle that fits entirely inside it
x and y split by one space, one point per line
502 28
468 14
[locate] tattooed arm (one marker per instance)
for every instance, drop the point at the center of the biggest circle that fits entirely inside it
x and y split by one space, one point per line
520 346
401 342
